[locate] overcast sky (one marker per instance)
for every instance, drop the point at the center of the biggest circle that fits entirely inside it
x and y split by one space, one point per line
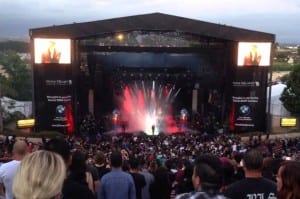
280 17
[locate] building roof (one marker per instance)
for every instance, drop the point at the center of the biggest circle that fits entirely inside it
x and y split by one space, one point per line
151 22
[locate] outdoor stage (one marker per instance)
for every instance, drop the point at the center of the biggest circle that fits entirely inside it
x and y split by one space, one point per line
150 70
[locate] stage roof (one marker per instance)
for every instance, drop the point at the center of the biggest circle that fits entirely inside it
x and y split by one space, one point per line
151 22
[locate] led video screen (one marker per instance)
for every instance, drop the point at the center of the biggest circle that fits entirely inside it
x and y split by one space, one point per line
52 51
254 54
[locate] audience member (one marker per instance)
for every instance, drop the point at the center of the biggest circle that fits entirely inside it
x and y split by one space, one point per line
9 170
267 170
254 185
149 178
71 188
207 179
168 153
116 183
162 186
139 179
185 184
78 170
101 166
288 180
40 176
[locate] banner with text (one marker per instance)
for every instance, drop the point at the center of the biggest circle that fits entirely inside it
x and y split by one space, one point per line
248 109
54 98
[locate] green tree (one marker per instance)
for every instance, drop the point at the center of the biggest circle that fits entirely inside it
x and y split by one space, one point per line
284 78
282 56
290 96
18 84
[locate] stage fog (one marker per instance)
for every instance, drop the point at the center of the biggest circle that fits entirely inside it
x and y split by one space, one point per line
151 92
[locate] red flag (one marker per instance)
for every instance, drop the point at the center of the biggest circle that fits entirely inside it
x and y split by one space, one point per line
232 118
70 118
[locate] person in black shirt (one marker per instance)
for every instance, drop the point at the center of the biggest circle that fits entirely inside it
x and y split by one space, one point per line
254 185
139 179
101 166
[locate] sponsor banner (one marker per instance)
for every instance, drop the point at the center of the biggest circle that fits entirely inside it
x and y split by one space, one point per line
248 103
58 106
54 98
288 122
245 110
245 84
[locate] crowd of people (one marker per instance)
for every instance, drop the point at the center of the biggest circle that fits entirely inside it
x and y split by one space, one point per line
183 165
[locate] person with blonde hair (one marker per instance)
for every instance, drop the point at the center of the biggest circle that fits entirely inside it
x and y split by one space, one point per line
40 176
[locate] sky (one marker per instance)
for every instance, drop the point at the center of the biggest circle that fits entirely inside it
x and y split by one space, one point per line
279 17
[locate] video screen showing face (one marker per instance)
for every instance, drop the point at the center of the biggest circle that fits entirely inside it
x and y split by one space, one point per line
254 54
52 51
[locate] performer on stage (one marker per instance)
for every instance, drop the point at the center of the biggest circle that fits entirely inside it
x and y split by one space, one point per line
153 129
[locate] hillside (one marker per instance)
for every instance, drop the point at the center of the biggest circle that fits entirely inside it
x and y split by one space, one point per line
18 46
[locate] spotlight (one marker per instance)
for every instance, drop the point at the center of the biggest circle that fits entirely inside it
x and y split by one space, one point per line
120 37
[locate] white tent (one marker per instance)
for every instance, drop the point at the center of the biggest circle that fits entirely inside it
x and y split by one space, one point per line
277 107
11 106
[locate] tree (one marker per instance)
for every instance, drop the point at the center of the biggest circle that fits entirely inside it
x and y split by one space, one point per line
282 56
1 117
290 96
18 84
284 78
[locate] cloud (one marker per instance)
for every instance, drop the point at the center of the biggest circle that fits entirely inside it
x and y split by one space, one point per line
195 8
16 15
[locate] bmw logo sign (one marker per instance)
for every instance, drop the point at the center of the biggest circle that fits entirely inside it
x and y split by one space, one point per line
60 109
245 110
